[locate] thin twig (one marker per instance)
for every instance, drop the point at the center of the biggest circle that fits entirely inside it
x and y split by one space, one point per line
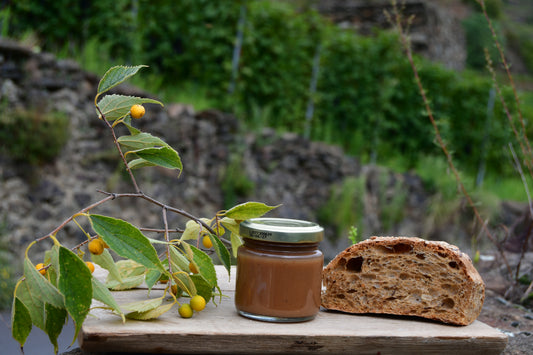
65 222
169 208
117 145
158 230
527 292
518 167
407 47
167 238
507 112
527 153
525 243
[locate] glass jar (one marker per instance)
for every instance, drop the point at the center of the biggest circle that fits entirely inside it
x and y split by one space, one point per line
279 270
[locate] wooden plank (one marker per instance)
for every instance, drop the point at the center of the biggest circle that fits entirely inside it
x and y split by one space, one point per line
219 329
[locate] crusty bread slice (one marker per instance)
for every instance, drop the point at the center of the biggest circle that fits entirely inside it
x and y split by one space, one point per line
404 276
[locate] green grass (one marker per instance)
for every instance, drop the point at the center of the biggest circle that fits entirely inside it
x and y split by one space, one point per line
183 92
511 189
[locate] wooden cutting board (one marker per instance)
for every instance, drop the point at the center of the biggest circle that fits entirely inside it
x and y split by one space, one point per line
219 329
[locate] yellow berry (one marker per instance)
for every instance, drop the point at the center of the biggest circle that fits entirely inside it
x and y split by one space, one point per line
96 246
193 268
41 268
174 289
197 303
137 111
206 242
90 266
185 310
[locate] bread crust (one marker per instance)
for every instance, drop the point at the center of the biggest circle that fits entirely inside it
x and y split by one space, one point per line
404 276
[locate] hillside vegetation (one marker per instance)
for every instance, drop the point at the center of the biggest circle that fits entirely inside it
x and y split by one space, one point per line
360 93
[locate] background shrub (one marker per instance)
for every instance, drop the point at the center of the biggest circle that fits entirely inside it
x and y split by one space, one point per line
479 38
33 136
366 99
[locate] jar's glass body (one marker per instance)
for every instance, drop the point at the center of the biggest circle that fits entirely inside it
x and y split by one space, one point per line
278 282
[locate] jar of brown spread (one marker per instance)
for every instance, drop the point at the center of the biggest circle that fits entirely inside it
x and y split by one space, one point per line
279 270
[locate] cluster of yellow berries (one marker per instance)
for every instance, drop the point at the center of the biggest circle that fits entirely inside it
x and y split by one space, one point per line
197 303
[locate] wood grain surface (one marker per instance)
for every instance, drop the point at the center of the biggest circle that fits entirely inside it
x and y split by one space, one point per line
219 329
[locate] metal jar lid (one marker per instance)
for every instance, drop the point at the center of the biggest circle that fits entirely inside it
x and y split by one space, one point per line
281 230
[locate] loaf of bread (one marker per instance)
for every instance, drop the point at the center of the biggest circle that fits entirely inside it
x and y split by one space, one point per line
404 276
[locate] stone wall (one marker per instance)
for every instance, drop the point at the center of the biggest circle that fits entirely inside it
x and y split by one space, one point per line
284 169
435 30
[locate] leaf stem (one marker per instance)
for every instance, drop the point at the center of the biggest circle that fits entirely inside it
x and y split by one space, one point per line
117 145
528 154
167 239
160 204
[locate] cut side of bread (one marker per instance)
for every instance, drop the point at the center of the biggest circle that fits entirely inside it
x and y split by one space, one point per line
404 276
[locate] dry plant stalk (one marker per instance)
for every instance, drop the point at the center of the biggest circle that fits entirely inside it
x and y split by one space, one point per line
397 20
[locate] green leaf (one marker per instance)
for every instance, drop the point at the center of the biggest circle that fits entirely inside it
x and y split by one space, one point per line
115 107
131 274
144 305
106 261
102 294
126 240
132 129
75 284
129 268
20 321
203 288
152 276
40 287
230 224
222 252
55 320
183 281
205 266
188 253
115 76
178 260
157 241
52 257
140 141
236 242
165 157
33 304
139 163
151 314
126 283
249 210
192 231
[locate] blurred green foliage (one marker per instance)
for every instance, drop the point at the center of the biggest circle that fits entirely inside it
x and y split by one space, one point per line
235 184
366 98
478 38
494 7
33 136
345 207
520 37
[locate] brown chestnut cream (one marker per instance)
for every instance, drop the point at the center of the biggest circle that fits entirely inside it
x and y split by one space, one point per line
279 270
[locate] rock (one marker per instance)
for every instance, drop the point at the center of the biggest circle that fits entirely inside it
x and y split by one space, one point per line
9 92
435 30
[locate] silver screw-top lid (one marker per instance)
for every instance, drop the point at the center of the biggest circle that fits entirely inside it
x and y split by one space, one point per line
281 230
